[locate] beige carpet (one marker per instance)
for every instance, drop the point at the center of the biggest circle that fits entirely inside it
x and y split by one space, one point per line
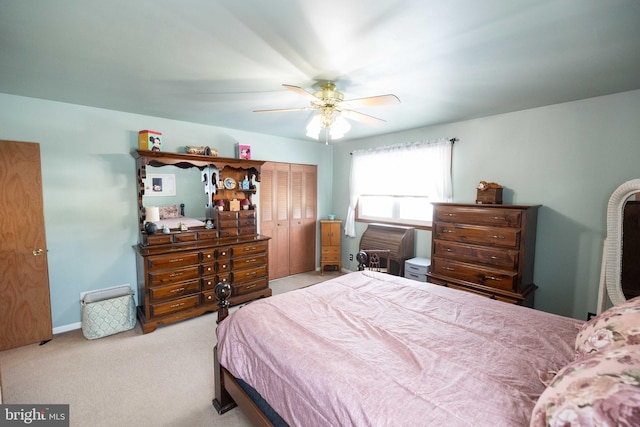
164 378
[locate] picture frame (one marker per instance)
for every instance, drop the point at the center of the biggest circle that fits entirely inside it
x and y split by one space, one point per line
160 185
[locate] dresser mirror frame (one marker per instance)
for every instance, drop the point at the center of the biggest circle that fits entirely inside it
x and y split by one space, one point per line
159 159
611 273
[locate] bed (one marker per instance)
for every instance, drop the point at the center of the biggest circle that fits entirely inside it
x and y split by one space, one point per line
371 349
173 216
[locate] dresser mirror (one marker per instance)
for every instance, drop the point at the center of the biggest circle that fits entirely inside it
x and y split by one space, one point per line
622 223
189 190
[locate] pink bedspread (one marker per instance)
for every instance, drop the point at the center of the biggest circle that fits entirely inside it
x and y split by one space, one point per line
371 349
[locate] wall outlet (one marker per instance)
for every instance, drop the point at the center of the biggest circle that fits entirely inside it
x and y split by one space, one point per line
350 257
590 315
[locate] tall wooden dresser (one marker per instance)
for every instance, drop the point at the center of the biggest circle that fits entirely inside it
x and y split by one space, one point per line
330 244
485 249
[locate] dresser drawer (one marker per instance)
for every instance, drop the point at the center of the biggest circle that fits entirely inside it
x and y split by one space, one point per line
223 252
226 215
208 269
484 294
208 255
159 262
247 214
170 307
186 237
249 248
245 231
160 293
247 262
173 276
229 232
247 222
479 216
228 223
475 274
484 255
245 288
207 234
249 274
222 265
502 237
209 298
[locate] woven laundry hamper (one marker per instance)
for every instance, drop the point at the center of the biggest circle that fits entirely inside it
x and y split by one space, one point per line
107 312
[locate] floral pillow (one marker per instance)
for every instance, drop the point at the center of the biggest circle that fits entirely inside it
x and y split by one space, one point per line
600 390
171 211
617 326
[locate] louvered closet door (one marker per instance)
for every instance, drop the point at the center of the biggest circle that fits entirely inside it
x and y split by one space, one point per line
274 215
302 224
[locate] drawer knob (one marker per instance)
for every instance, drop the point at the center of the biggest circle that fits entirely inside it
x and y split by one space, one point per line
448 231
449 214
497 237
448 268
176 260
177 290
497 279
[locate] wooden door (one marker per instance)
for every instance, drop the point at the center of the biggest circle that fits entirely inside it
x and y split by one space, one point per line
274 215
25 304
302 225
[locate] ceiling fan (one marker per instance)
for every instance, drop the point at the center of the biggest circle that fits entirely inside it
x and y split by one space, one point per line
333 109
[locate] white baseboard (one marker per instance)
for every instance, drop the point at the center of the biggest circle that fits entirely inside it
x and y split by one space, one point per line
67 328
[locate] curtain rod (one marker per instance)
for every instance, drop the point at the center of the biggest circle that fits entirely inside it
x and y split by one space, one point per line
453 140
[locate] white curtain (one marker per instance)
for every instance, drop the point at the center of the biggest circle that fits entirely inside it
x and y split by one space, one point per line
413 169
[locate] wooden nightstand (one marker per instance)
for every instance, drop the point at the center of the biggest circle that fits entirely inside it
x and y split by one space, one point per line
330 244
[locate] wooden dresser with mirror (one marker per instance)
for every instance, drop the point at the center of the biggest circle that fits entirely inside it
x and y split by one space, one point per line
178 269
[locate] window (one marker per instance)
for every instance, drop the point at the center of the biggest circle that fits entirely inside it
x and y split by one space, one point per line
397 184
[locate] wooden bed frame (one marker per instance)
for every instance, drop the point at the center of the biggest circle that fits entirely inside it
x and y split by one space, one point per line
228 392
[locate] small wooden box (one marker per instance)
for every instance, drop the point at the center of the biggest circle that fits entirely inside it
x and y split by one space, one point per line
491 196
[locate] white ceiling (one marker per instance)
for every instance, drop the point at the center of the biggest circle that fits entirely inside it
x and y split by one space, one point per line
215 61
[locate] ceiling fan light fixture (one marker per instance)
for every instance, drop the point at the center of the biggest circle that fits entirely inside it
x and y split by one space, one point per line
314 127
339 127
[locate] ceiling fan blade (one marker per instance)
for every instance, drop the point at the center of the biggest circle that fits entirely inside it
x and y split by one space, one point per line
282 110
301 92
372 101
362 118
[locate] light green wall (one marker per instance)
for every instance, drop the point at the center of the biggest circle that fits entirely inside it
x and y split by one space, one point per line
89 185
569 158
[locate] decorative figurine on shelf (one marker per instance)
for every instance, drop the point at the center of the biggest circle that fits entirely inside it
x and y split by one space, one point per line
208 224
245 183
245 203
165 229
220 204
183 226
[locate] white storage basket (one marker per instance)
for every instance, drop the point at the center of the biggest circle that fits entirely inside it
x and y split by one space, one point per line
107 312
